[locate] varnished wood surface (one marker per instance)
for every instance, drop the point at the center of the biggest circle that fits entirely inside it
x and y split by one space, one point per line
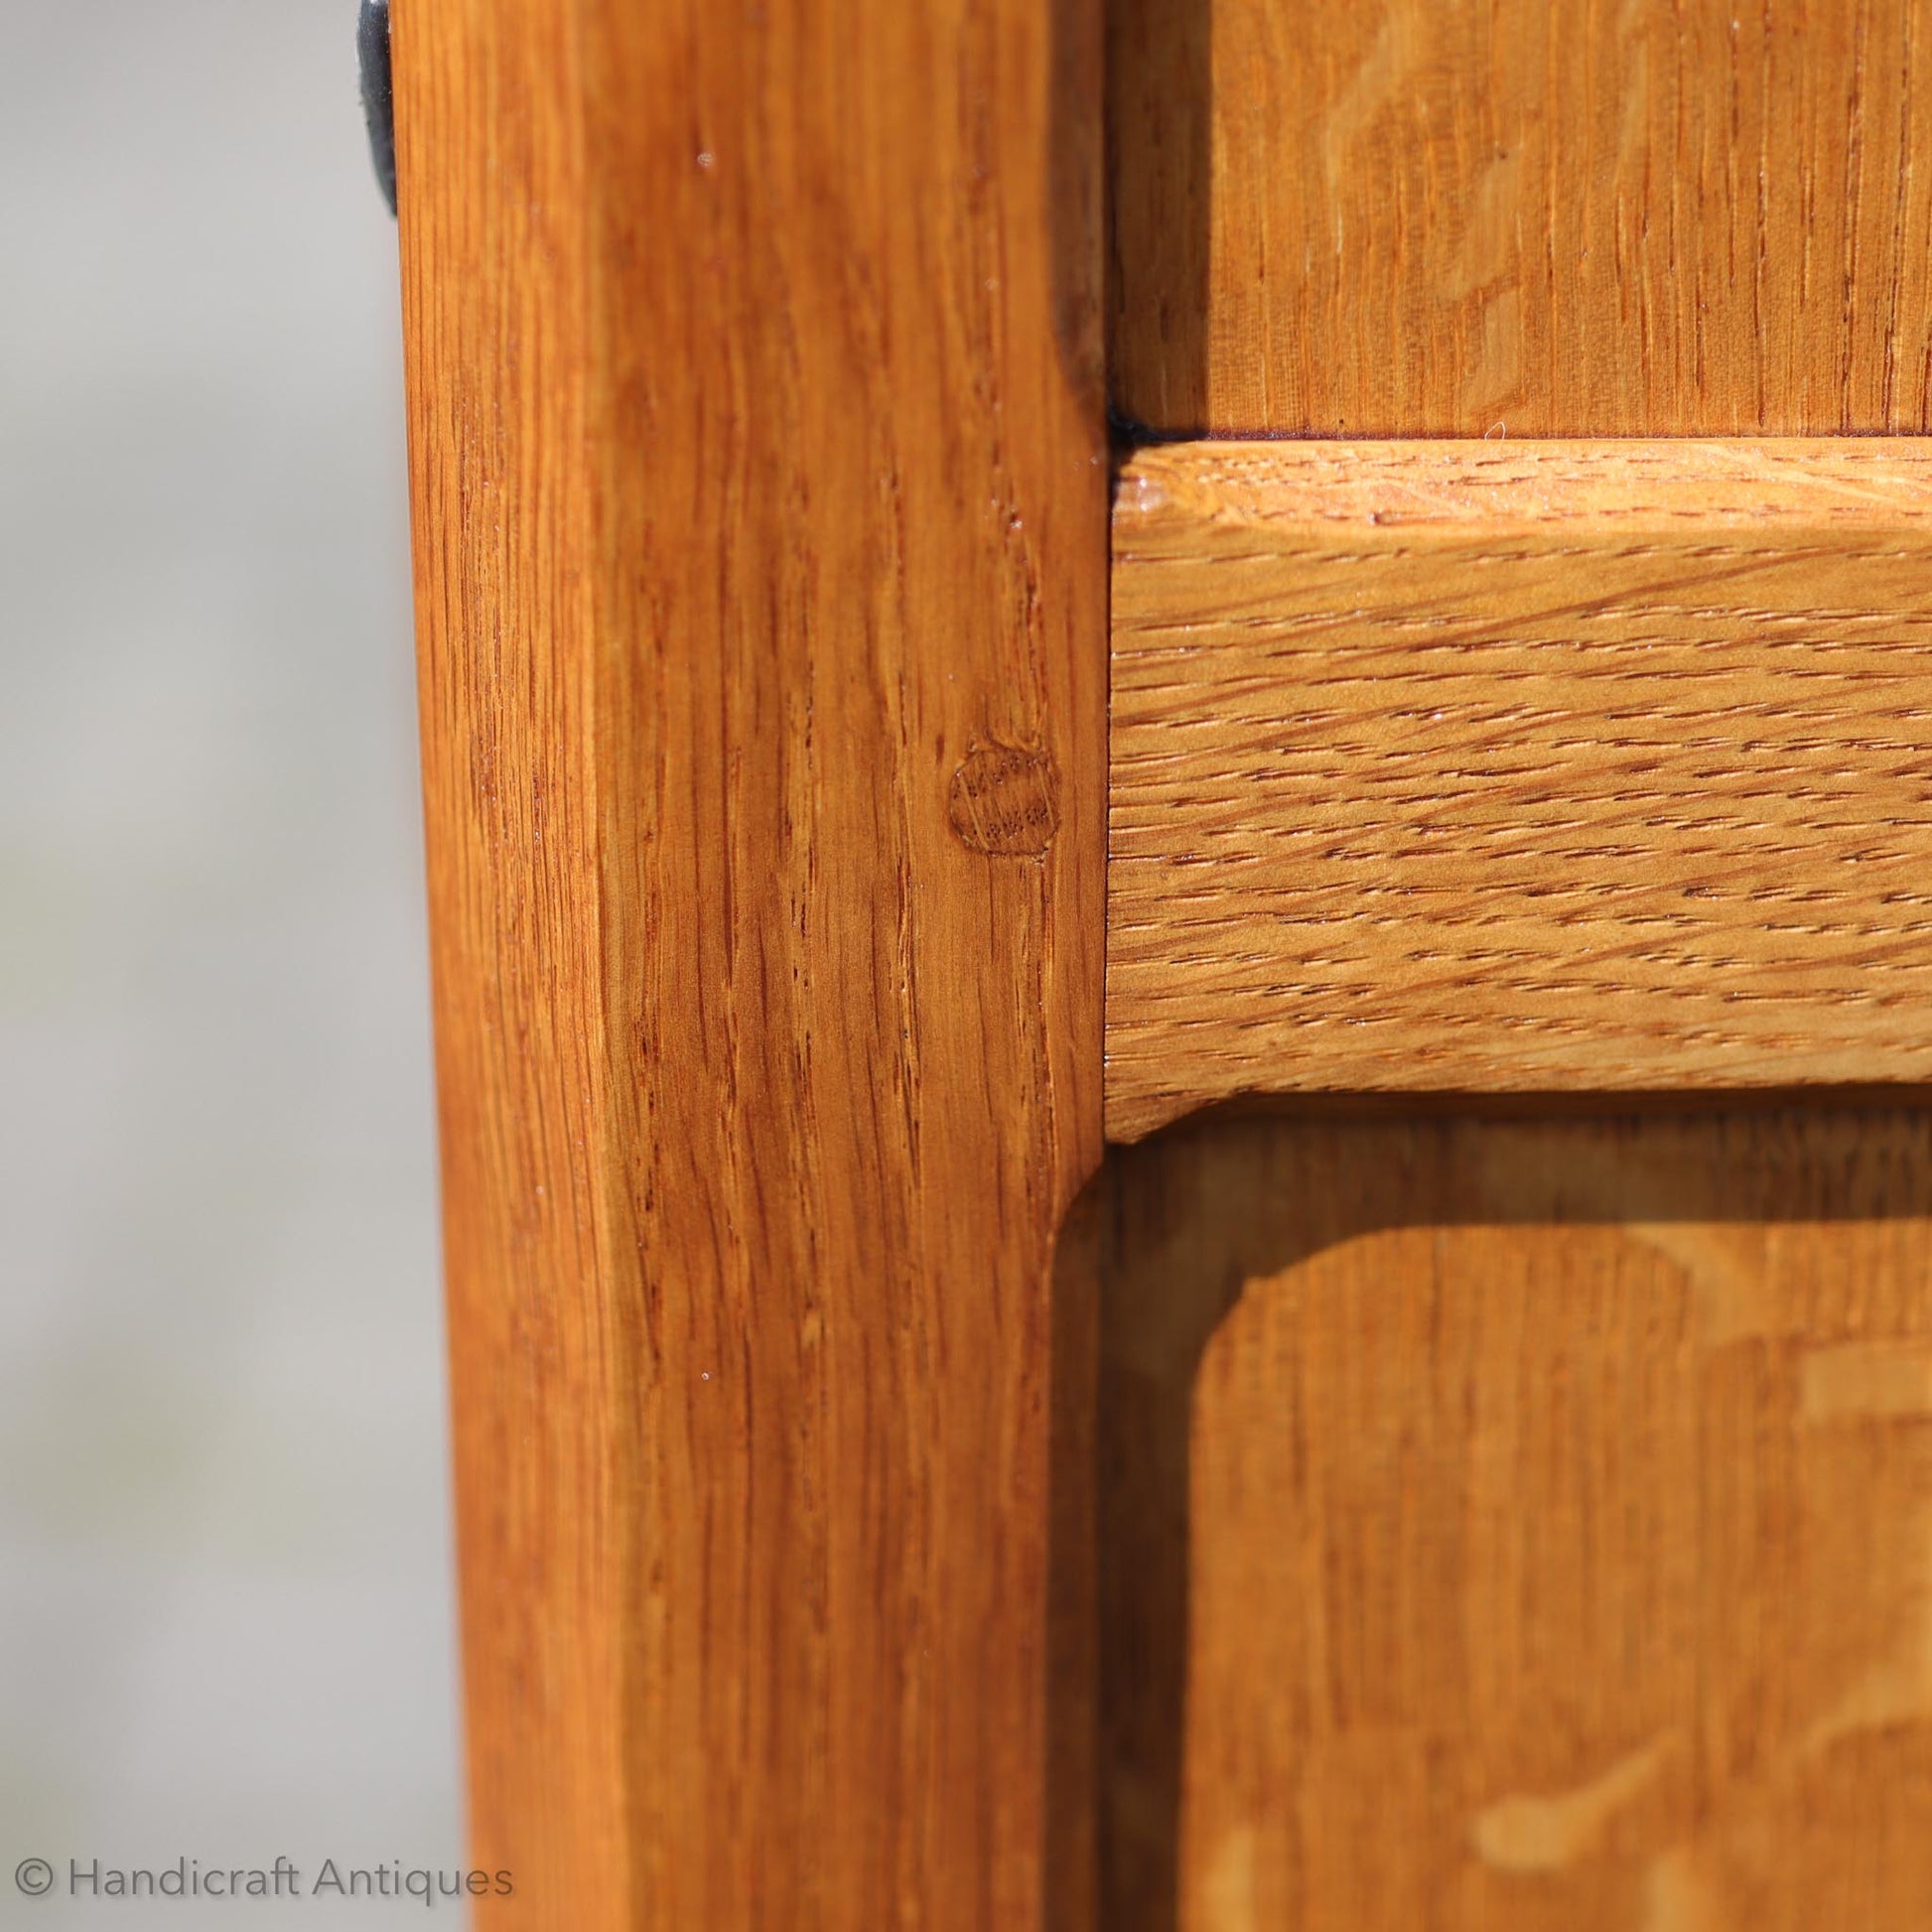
1566 217
1485 766
1522 1525
759 476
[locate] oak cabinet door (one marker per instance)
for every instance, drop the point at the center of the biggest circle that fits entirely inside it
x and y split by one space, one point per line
1178 773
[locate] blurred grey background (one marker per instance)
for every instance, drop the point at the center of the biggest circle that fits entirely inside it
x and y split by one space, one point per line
225 1626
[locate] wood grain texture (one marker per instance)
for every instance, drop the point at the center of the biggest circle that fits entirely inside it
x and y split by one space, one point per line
1576 217
1518 1525
1481 766
760 487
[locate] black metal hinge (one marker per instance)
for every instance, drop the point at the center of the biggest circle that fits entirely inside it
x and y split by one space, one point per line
378 94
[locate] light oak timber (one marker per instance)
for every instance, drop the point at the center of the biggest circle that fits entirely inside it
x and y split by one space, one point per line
1485 766
1517 1525
1568 217
759 478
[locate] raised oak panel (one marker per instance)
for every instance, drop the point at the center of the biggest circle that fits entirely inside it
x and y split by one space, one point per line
1522 1525
1539 218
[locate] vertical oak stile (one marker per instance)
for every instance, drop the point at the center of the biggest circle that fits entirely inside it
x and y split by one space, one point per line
760 484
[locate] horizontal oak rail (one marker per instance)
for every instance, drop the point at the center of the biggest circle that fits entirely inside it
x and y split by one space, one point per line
1506 767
